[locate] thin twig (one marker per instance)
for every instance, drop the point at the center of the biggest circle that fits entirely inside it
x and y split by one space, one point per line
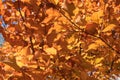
20 11
108 45
77 27
38 10
21 15
80 49
32 46
112 63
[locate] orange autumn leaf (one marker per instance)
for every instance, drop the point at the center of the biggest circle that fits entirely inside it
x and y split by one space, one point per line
59 39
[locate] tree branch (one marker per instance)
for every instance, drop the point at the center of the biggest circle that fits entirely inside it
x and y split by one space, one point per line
79 29
62 12
112 63
32 46
30 38
20 11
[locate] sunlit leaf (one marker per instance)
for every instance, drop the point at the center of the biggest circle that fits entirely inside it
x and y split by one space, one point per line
51 51
28 1
96 16
54 1
25 51
98 60
98 65
100 43
9 4
11 61
96 44
18 13
71 39
109 28
57 50
93 46
24 56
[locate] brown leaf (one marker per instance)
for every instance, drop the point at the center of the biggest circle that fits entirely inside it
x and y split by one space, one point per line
51 37
12 62
91 28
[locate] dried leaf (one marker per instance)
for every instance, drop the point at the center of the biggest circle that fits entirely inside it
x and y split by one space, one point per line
70 7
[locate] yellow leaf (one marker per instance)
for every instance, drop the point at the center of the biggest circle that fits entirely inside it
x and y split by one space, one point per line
54 1
20 64
12 62
88 18
71 39
98 65
25 51
23 60
58 37
28 1
92 46
95 45
76 11
98 60
23 56
42 68
67 57
9 4
58 28
18 13
109 27
51 51
96 16
100 43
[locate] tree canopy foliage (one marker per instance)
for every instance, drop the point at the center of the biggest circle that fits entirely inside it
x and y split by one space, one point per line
60 39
